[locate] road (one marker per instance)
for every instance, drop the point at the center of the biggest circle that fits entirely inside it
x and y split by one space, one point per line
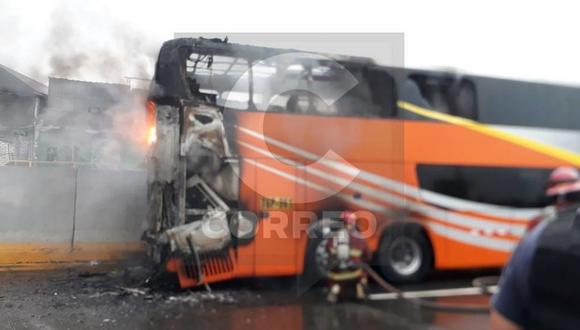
129 299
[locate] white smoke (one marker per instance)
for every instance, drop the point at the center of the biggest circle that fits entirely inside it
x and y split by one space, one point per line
77 41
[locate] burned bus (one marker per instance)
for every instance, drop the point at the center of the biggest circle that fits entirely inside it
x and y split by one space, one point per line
251 147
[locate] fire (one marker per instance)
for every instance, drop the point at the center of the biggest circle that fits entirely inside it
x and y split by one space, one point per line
151 109
152 135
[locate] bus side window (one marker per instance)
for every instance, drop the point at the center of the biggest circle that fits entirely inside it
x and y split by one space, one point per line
383 92
433 91
410 92
505 186
464 99
446 94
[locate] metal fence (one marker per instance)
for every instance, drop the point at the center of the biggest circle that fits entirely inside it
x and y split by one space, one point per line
6 152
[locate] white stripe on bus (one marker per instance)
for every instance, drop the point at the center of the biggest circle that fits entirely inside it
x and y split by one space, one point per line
452 233
486 242
441 215
365 204
516 214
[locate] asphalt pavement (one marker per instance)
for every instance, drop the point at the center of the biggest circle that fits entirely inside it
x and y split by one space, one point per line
129 298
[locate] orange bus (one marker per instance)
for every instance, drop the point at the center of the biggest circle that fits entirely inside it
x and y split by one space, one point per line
253 147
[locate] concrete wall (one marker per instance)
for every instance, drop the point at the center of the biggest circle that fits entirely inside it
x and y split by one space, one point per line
36 204
55 214
111 206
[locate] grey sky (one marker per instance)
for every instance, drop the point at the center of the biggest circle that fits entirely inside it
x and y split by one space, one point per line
525 40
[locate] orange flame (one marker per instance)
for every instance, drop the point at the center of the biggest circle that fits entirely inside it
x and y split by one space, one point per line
150 119
152 135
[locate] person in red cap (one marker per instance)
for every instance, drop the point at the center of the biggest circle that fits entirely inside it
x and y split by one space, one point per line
539 287
562 184
562 191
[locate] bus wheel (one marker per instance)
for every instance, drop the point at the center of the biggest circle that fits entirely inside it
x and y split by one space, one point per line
405 254
313 272
316 256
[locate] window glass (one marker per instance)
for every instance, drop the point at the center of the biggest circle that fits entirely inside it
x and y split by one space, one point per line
219 79
516 187
464 99
292 83
519 103
445 94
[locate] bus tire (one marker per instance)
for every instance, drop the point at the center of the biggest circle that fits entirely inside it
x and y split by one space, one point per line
312 272
405 254
311 275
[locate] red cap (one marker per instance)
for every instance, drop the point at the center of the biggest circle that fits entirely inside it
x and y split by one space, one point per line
348 217
563 180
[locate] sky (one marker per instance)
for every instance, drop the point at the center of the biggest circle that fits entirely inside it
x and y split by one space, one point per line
109 40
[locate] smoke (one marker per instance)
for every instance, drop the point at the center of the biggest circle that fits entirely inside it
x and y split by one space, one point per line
101 124
98 123
85 123
116 52
125 52
74 40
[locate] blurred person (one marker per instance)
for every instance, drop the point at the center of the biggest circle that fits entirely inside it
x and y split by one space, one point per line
557 193
540 287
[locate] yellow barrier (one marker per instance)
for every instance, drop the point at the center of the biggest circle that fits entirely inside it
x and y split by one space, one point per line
47 256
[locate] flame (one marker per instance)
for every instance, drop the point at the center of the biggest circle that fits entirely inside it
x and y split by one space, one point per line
151 109
152 135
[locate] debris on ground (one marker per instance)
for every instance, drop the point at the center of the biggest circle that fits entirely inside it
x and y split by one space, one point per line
140 282
133 298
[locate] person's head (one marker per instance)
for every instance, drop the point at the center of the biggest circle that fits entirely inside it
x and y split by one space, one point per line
349 219
564 186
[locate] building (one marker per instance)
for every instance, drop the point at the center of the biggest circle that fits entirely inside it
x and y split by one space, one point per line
92 123
22 100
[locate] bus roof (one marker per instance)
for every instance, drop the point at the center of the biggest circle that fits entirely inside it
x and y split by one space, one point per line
169 80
